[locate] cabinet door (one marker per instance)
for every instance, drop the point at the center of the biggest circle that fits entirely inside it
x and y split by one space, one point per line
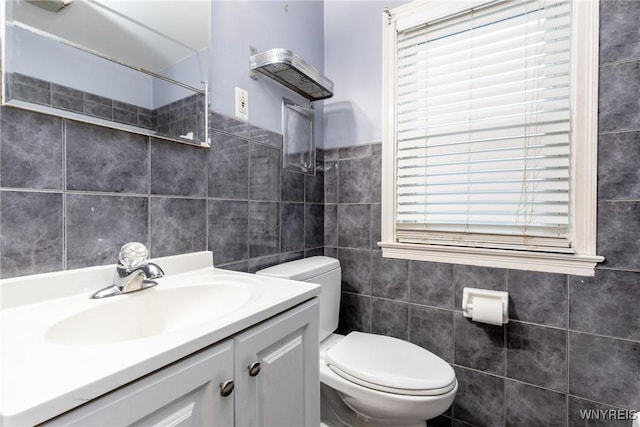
186 393
286 390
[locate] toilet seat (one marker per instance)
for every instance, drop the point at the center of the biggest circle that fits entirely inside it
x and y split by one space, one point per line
390 365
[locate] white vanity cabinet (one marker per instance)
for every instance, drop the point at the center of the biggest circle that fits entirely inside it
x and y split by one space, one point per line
276 371
273 367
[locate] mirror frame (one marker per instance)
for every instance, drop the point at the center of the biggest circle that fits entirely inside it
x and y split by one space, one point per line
15 103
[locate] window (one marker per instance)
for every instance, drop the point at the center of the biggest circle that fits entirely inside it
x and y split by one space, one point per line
490 137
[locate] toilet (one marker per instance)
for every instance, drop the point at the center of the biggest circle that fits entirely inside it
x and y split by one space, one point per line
367 379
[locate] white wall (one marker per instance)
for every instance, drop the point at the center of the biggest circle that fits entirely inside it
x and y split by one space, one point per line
190 71
353 60
294 25
341 37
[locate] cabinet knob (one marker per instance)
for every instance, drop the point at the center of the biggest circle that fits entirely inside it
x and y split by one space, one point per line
254 368
226 388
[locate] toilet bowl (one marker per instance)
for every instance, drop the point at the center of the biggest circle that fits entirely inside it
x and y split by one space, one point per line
367 379
386 380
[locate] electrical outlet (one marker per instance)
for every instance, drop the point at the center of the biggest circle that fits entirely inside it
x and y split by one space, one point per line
242 104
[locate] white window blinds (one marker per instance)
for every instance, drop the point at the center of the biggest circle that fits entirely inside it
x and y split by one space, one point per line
482 113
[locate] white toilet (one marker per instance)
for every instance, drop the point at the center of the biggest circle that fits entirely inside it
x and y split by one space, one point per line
367 379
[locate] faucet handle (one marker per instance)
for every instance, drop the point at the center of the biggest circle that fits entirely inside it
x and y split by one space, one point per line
132 255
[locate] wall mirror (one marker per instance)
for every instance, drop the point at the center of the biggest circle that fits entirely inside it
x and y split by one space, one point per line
137 65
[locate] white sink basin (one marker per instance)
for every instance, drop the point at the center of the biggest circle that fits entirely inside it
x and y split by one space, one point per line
153 311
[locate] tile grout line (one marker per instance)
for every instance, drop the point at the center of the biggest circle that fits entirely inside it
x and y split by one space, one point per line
64 191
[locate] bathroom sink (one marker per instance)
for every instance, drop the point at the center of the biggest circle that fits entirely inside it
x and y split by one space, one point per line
153 311
60 348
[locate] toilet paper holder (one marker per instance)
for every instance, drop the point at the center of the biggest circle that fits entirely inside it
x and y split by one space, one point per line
469 294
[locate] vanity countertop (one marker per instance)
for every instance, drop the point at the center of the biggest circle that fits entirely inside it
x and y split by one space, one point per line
46 370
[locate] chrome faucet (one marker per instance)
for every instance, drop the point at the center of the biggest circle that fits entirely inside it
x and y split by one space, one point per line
133 273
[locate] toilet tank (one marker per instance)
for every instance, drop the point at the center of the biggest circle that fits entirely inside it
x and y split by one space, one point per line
322 270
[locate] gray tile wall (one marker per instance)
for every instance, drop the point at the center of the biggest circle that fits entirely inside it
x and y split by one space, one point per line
572 343
72 193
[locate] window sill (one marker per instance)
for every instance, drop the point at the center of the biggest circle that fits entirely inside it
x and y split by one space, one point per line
579 265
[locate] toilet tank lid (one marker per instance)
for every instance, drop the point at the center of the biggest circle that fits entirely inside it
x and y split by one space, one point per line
302 269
